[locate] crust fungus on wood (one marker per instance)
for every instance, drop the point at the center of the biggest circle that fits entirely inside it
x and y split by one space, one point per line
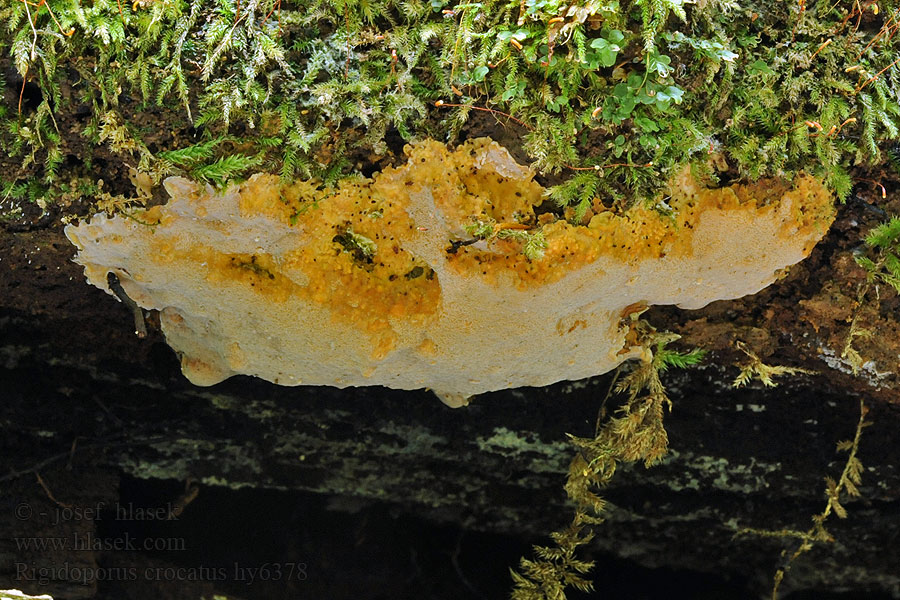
368 284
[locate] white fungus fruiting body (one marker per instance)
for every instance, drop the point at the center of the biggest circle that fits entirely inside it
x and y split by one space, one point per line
364 285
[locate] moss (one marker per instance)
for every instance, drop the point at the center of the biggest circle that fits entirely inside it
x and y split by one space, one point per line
612 96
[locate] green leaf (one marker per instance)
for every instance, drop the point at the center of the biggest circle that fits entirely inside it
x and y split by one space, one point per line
760 67
627 106
648 142
659 63
648 94
558 103
530 53
621 90
607 48
668 93
646 124
514 91
727 55
479 73
518 35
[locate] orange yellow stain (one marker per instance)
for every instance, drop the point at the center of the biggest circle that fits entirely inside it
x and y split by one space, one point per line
392 284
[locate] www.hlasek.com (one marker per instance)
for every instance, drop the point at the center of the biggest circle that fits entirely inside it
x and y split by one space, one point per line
273 571
88 542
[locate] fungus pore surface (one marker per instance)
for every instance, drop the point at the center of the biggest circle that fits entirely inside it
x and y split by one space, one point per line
369 283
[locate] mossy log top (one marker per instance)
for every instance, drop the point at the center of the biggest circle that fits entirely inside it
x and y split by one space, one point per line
609 99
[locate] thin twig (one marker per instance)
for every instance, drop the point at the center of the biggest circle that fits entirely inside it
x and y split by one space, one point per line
441 103
49 493
611 166
875 76
15 474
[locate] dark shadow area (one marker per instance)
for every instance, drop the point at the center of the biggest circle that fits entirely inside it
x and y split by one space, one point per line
263 544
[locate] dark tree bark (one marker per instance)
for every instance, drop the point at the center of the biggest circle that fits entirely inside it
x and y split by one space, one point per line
91 413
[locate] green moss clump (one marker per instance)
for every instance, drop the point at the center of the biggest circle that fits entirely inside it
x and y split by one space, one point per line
612 95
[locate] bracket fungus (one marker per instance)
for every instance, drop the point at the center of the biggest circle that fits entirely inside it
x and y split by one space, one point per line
377 282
